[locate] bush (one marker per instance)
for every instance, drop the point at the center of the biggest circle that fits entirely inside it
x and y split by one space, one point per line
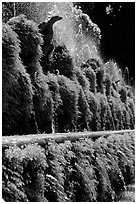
31 52
131 107
94 107
90 74
123 94
108 84
62 61
84 111
104 112
16 107
100 79
67 119
52 81
94 63
85 180
23 173
82 170
81 78
31 41
114 70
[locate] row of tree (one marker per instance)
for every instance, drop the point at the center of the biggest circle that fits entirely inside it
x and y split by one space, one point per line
58 96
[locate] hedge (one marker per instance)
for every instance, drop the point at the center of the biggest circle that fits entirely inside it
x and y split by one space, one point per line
64 98
17 90
78 171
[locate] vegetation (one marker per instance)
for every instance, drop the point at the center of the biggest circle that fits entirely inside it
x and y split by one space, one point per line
17 90
74 90
58 100
77 171
31 52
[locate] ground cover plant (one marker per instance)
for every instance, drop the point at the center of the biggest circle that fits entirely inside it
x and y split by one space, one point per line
78 171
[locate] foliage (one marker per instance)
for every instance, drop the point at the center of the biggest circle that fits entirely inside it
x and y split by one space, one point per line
108 84
90 74
69 95
16 107
30 40
99 79
114 70
94 107
7 11
36 11
88 27
123 94
82 170
52 81
24 168
31 52
84 111
105 113
111 17
62 61
81 78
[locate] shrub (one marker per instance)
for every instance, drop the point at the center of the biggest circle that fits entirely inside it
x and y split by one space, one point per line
104 112
123 94
94 63
82 170
31 41
31 52
55 175
99 79
84 111
90 74
62 61
52 81
17 92
94 107
13 187
43 104
108 84
131 107
69 95
114 70
120 113
34 167
85 181
81 78
23 173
